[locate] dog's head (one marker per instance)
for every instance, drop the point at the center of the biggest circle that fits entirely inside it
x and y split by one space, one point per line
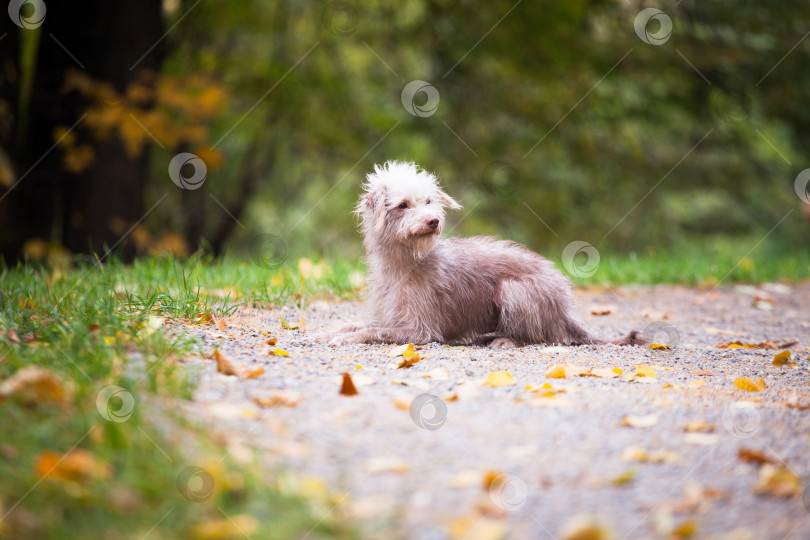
403 207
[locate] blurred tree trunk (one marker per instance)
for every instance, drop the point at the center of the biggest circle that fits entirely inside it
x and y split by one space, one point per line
110 41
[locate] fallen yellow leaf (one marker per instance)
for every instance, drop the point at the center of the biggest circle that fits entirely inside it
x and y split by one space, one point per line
584 527
783 359
409 358
279 352
499 378
658 346
555 371
778 481
636 421
748 385
385 464
285 325
662 455
475 527
608 373
219 529
400 350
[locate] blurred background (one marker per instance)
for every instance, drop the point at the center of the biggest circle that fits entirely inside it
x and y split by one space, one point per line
550 121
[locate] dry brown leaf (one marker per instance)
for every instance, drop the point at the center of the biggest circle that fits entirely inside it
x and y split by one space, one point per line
402 404
599 311
286 398
754 456
272 341
225 364
748 385
499 378
778 481
78 465
555 371
347 388
32 386
221 326
252 373
640 421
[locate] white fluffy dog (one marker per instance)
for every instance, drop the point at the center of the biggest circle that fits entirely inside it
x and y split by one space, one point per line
425 288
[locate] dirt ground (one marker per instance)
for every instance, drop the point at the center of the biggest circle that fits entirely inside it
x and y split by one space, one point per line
431 451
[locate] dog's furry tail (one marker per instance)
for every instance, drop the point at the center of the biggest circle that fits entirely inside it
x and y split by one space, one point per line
633 338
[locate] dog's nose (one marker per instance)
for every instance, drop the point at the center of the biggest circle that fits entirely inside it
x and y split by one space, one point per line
433 223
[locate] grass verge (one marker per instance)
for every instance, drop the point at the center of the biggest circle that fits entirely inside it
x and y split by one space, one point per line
90 447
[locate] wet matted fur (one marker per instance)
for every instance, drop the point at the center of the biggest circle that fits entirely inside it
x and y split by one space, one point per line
424 288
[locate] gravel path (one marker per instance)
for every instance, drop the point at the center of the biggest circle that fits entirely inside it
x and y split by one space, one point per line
548 457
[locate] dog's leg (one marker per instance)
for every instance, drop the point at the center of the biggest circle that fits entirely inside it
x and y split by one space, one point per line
384 335
533 311
329 335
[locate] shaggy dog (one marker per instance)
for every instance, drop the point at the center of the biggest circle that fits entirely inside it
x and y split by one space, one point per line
425 288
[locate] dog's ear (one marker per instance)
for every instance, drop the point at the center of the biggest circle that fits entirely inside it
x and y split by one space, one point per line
448 201
371 204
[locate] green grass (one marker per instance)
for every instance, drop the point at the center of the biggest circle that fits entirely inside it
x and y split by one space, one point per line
123 479
97 325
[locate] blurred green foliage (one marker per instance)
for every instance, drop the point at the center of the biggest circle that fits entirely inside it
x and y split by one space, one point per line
556 122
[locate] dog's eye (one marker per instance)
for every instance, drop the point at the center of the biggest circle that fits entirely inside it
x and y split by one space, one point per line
403 206
427 201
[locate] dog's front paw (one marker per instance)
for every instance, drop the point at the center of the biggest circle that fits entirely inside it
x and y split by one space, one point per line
502 343
347 338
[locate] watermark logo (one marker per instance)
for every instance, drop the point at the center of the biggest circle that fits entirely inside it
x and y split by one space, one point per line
340 18
195 484
28 14
182 161
109 407
508 492
428 411
268 250
642 23
732 107
500 178
802 186
662 333
415 104
580 259
741 419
